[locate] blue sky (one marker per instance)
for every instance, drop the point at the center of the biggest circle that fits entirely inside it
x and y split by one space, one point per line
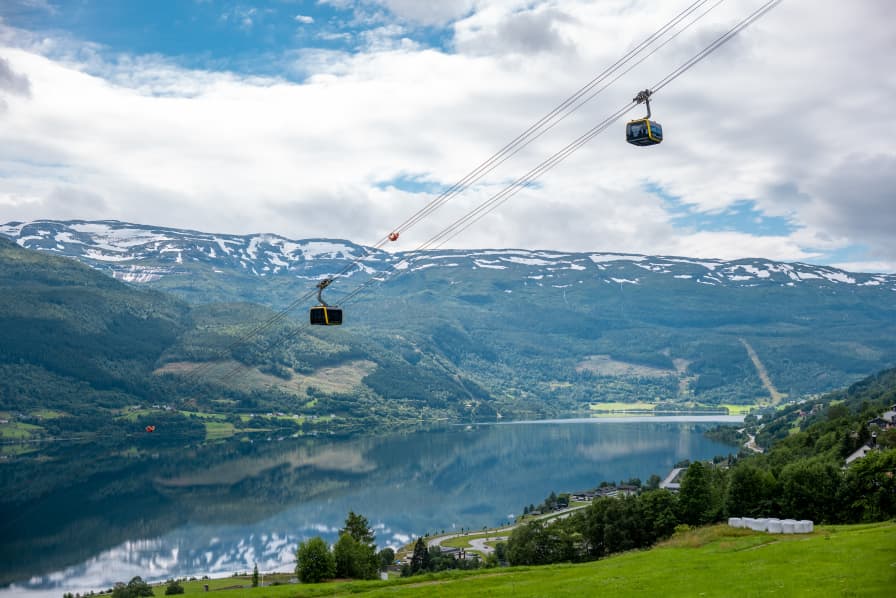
739 215
216 34
242 117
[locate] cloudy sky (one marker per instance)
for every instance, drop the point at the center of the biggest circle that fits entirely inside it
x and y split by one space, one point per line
330 118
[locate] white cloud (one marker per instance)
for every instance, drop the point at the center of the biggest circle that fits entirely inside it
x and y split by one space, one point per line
795 127
415 11
304 19
502 29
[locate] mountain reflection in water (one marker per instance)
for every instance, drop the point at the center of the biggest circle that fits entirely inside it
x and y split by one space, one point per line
79 521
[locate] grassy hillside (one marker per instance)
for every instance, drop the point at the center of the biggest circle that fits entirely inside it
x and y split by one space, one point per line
712 561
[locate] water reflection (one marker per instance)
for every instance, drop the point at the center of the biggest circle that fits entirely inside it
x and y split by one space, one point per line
79 521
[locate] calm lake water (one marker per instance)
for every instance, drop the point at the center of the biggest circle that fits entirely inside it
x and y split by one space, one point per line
81 520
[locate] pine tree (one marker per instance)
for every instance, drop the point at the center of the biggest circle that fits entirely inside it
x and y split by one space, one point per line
255 576
420 558
354 559
695 495
358 528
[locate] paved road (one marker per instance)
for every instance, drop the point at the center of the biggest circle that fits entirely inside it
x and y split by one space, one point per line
479 543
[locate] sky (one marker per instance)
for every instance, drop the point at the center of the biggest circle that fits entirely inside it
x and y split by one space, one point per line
338 119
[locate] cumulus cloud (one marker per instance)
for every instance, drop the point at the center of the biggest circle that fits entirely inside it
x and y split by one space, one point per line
856 199
529 31
784 125
422 13
12 82
304 19
428 13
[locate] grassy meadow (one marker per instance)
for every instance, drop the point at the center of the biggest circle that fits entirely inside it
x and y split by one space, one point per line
857 560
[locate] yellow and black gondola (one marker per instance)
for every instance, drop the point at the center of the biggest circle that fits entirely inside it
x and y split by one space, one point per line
323 314
326 315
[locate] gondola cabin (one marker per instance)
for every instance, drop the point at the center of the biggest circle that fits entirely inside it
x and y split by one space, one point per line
643 131
326 315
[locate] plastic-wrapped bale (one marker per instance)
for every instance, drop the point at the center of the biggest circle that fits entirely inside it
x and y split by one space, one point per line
805 526
774 526
735 522
759 525
788 526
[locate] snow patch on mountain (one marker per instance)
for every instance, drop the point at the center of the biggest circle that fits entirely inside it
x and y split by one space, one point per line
708 264
527 261
598 258
93 254
493 264
839 277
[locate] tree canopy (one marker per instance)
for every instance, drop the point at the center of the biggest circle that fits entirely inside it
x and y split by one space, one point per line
315 562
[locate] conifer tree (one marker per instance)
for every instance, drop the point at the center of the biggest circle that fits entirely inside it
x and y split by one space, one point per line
420 558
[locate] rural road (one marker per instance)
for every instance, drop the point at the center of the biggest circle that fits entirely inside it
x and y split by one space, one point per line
500 534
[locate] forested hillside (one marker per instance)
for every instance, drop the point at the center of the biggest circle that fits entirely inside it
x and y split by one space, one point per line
83 352
540 331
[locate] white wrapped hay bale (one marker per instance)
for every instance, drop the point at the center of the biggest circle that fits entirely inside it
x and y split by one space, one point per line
774 526
788 526
735 522
759 525
805 526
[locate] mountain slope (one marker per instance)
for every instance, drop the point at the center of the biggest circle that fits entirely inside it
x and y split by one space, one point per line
86 346
537 328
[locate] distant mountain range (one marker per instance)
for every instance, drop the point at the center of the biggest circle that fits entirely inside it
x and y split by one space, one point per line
147 254
535 327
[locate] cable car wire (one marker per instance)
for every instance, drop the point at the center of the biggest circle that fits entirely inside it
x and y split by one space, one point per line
492 203
533 132
547 122
463 223
496 200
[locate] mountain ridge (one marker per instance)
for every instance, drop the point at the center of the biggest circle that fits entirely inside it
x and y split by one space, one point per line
123 248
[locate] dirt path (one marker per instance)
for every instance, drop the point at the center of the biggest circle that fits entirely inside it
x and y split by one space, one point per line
751 444
763 373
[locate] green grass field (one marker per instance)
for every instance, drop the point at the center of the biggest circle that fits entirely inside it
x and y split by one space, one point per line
48 413
215 430
738 409
18 431
618 406
858 560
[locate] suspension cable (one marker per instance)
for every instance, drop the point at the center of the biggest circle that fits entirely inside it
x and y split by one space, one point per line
490 204
464 222
533 132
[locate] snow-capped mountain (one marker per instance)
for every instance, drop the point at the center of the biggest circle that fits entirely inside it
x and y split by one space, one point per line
142 254
138 253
